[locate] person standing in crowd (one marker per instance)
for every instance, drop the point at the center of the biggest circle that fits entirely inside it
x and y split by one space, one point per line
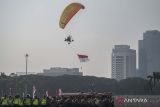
35 102
44 101
4 101
17 101
28 101
10 101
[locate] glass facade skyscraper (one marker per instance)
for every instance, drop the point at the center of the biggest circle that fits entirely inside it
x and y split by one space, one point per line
149 53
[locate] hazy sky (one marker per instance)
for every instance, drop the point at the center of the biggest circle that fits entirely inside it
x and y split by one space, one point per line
32 26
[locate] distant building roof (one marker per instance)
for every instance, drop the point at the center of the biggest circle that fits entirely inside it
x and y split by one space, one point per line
58 71
24 73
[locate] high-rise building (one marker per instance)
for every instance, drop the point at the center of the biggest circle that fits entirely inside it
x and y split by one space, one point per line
149 53
123 62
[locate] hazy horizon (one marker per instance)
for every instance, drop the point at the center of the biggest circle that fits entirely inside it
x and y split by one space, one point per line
32 26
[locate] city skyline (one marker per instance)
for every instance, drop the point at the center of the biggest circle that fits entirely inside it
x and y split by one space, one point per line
32 27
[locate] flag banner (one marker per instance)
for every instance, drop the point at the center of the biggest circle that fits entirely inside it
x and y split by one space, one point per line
59 92
83 58
34 91
47 93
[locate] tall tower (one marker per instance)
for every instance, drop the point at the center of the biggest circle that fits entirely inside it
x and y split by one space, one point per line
123 62
149 53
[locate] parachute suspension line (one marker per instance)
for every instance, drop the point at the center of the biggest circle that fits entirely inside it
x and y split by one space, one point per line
68 14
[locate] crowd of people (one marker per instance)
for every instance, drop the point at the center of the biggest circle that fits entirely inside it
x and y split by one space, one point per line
58 101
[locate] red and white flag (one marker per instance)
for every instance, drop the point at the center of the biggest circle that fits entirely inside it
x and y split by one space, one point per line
83 58
34 91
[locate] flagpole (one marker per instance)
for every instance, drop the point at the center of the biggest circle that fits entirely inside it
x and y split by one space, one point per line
26 56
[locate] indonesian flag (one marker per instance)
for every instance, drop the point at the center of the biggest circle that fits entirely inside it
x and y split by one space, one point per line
83 58
34 91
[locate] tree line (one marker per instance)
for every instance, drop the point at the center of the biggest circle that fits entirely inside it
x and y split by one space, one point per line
18 85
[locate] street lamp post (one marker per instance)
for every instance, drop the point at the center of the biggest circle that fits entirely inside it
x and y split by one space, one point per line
26 72
26 62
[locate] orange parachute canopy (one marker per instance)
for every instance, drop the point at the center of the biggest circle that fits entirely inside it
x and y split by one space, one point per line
68 13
